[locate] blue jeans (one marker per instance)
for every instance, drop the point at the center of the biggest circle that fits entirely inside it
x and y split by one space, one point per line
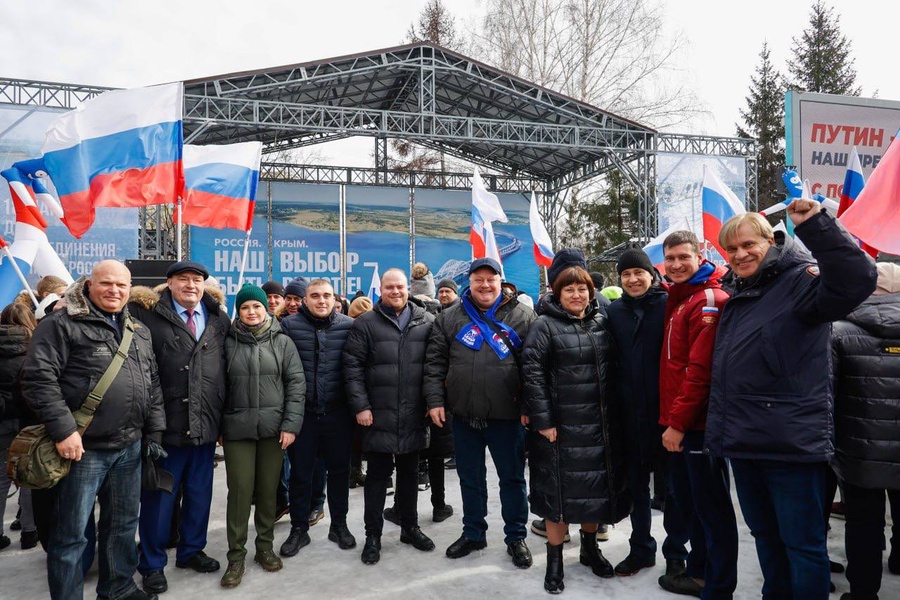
700 482
115 477
192 469
782 504
506 441
642 544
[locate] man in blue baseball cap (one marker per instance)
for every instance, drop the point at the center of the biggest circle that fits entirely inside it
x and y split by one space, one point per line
471 371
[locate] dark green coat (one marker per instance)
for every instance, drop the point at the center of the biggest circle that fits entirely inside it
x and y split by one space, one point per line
266 385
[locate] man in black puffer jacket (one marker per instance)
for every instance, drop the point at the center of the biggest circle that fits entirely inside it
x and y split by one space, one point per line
69 353
866 351
384 360
189 330
320 333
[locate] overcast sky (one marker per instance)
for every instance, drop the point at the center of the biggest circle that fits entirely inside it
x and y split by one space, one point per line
125 43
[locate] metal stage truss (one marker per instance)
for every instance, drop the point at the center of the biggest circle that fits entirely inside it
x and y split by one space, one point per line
528 138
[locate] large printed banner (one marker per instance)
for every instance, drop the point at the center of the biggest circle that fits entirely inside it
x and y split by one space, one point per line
680 182
115 232
303 236
443 221
821 130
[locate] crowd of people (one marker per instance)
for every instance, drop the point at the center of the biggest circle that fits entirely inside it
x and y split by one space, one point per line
776 370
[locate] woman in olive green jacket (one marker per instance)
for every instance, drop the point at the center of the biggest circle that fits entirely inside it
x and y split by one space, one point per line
263 414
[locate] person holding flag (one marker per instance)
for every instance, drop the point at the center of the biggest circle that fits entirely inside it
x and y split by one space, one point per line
770 401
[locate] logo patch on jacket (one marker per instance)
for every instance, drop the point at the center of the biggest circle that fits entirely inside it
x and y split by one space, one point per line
892 350
813 270
102 351
709 314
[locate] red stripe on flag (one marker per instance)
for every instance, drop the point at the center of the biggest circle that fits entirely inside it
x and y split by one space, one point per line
711 228
159 184
478 247
540 259
211 210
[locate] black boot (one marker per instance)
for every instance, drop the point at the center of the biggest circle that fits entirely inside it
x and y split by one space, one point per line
592 557
553 580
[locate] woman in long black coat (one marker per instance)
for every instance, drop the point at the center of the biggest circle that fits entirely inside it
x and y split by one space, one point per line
577 470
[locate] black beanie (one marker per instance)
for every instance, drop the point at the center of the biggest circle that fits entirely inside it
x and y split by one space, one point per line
564 259
598 279
273 287
635 258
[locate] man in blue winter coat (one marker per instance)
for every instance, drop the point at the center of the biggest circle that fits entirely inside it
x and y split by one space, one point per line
770 405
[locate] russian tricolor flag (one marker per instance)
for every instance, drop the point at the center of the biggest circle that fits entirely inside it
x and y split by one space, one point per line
543 247
874 217
31 250
485 209
853 182
220 185
719 204
120 149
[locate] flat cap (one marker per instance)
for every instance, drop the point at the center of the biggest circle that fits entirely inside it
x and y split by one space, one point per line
187 265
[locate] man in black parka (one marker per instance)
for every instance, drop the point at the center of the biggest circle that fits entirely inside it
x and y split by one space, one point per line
320 334
189 329
637 321
384 360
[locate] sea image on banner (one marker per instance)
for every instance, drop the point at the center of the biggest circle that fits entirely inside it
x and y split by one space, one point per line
443 221
115 231
302 238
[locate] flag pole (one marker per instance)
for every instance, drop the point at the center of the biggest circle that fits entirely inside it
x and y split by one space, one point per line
21 275
178 207
243 266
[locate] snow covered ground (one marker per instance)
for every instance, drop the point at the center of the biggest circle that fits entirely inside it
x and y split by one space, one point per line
323 571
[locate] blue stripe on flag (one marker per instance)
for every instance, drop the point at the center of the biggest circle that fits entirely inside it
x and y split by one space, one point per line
222 179
73 168
716 205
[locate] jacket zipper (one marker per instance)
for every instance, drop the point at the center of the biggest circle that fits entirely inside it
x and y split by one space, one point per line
669 338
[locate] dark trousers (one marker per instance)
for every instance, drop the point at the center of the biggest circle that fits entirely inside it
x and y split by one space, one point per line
864 539
642 544
327 437
319 484
380 467
782 503
506 441
701 481
192 468
436 479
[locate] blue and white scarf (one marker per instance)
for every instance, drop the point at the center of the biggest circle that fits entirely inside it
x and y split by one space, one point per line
478 331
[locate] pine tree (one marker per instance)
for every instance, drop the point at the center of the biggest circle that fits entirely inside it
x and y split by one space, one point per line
596 221
822 61
762 119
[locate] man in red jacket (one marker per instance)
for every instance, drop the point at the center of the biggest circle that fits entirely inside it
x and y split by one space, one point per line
699 481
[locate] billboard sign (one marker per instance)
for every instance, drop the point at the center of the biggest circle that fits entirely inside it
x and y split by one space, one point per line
822 129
